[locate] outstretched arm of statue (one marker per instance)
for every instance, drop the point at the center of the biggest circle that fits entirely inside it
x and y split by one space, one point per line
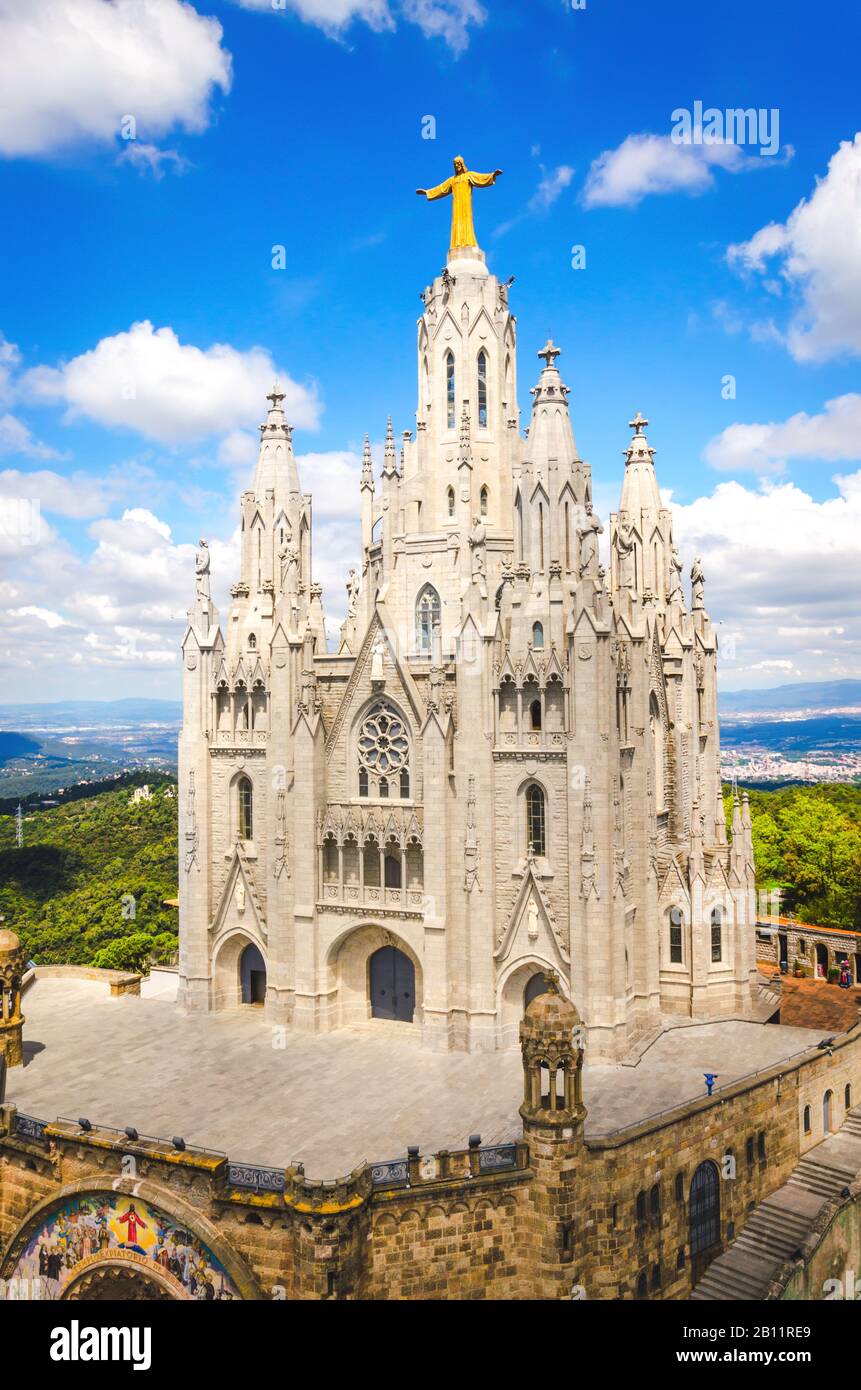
439 192
482 180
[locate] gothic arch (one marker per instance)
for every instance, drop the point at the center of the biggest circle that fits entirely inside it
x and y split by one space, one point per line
227 953
524 817
357 763
348 961
510 988
181 1213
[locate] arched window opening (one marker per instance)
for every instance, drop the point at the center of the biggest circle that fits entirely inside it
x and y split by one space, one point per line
641 1208
383 787
760 1146
560 1087
827 1112
404 786
704 1209
847 1096
535 715
246 809
393 871
655 1202
680 1187
450 502
567 539
428 612
544 1075
252 642
656 1278
676 942
642 1285
717 934
482 390
541 535
371 864
537 635
806 1121
363 782
482 501
449 390
535 821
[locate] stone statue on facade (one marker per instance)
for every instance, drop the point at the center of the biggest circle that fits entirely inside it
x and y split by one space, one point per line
625 550
201 572
588 536
698 582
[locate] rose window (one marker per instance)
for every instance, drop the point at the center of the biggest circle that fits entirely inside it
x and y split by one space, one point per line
384 753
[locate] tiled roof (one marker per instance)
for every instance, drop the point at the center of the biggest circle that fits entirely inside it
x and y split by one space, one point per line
816 1004
793 925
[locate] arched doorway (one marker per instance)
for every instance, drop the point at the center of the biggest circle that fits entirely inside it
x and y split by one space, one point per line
822 961
534 986
252 976
392 985
704 1216
782 951
826 1112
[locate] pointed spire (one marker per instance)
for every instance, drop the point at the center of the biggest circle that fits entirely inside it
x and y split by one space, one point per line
390 462
367 480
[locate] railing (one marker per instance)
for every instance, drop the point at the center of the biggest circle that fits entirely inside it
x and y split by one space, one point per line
30 1128
255 1178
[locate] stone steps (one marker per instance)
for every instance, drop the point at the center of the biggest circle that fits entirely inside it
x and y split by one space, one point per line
781 1223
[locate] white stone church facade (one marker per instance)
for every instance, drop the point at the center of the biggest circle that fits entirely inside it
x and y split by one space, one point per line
511 763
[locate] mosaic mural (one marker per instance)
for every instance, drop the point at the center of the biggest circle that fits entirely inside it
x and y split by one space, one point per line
84 1230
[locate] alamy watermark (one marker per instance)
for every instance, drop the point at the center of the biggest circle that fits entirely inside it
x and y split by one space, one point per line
758 126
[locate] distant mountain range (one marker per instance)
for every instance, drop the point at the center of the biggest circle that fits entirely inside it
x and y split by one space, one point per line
805 695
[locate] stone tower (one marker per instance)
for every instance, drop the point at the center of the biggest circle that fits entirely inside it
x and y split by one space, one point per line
510 762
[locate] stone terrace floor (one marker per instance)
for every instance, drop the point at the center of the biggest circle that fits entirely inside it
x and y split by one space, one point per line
331 1100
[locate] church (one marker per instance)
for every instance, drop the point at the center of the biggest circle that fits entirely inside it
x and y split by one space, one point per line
510 762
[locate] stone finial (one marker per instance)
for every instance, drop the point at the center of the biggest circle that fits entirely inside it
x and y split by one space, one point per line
549 352
638 424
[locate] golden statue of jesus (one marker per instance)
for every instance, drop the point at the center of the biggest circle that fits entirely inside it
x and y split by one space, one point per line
460 187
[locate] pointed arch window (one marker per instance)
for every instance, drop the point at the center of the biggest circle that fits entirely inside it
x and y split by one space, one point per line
482 501
535 715
536 835
676 944
450 502
482 390
717 934
537 635
449 389
245 795
656 726
428 611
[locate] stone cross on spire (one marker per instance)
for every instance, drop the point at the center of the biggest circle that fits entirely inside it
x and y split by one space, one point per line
638 423
275 396
549 352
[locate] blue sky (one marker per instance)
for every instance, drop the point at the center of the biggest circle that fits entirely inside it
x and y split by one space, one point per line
142 316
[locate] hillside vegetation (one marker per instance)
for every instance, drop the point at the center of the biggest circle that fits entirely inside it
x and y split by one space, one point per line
807 843
88 887
89 884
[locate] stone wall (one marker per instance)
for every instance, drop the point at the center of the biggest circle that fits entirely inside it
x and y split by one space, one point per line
555 1217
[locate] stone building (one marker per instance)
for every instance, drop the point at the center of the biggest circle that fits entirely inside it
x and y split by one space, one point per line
746 1193
509 764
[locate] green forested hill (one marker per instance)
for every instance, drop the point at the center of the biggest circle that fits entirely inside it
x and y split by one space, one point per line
807 842
87 888
69 892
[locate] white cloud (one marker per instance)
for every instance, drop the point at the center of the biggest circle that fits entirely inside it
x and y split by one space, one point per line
76 495
147 380
71 70
645 164
783 576
16 438
833 435
149 159
552 185
449 20
818 251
